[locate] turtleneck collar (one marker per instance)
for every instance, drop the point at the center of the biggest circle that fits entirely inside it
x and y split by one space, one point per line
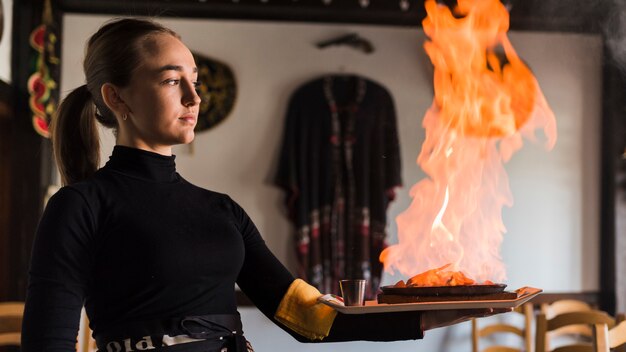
143 164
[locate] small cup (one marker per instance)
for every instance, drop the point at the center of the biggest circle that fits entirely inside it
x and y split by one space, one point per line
353 292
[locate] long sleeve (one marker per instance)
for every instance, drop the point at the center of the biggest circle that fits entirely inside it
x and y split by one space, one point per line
376 327
266 281
59 274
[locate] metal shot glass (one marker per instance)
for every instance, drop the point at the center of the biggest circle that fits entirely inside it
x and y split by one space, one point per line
353 292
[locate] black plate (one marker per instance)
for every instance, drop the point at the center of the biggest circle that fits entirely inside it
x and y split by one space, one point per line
468 290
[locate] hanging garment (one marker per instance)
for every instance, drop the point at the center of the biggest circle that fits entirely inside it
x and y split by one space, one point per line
339 166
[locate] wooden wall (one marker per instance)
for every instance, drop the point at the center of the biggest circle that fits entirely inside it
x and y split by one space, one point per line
6 116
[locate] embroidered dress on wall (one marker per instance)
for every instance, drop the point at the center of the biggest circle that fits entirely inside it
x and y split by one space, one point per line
339 166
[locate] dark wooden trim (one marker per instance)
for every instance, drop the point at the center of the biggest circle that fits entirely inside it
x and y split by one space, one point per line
250 11
612 147
594 298
533 15
26 152
607 191
6 120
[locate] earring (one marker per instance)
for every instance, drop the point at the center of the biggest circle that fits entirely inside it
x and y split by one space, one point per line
124 117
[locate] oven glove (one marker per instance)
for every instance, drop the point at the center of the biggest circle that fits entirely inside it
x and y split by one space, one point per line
300 311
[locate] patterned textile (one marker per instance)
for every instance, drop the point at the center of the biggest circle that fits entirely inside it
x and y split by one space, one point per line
339 165
43 88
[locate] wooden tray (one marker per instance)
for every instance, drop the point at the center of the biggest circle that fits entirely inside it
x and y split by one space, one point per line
524 294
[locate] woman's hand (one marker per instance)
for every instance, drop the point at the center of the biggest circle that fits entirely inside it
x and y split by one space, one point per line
438 318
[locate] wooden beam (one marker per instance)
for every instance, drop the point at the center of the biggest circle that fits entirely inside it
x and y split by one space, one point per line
593 298
6 120
535 15
27 151
613 187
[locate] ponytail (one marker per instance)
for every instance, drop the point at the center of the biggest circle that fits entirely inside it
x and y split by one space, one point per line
75 138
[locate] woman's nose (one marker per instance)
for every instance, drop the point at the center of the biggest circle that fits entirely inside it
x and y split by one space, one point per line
190 96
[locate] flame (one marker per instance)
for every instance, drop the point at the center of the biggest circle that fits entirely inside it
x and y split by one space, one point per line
486 100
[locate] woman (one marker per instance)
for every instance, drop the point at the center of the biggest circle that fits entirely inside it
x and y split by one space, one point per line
153 258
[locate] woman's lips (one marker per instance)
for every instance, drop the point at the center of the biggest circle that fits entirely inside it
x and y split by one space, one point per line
188 119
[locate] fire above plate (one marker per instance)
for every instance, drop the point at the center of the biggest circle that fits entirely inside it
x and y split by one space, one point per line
464 290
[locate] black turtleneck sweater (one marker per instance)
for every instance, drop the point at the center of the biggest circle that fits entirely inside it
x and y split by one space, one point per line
137 242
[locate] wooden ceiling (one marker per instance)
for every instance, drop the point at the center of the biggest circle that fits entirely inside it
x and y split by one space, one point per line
580 16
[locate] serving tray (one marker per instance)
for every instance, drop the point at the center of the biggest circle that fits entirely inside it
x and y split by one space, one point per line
524 294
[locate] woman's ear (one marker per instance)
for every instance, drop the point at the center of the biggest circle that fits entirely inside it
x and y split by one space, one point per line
113 100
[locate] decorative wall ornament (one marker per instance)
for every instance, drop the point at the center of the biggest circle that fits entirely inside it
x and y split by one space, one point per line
218 90
352 40
43 83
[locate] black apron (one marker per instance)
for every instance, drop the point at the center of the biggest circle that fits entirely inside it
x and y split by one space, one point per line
217 332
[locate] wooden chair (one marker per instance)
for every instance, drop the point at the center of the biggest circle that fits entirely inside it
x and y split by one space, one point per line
617 336
598 320
613 339
502 329
11 314
582 332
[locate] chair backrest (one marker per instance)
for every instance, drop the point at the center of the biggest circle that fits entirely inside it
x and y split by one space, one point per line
564 306
596 320
617 335
500 329
613 339
11 314
567 306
